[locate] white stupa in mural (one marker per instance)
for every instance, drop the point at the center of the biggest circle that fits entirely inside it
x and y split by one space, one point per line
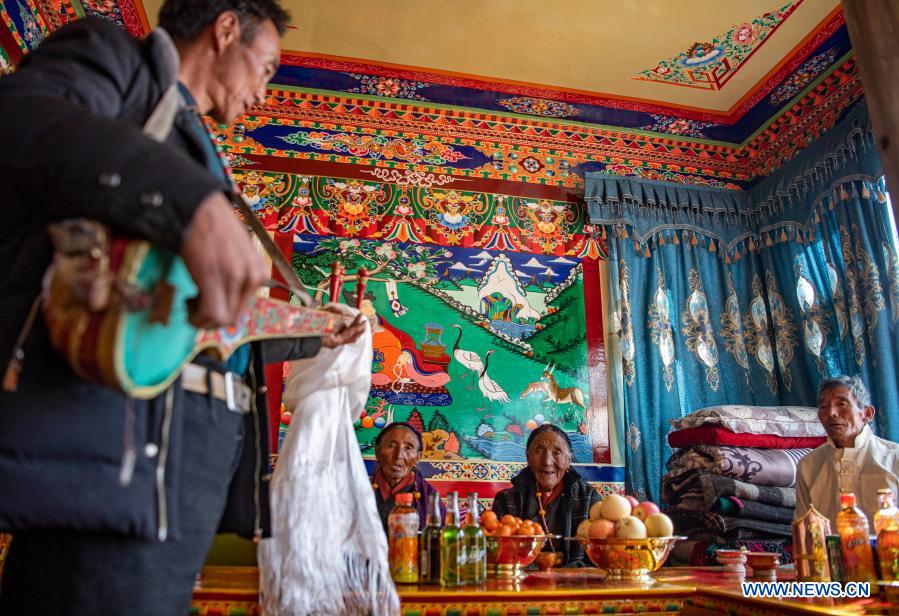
501 296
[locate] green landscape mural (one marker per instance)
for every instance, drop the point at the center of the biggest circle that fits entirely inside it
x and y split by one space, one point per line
475 347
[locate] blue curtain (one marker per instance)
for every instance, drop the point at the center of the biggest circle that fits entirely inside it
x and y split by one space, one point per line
751 298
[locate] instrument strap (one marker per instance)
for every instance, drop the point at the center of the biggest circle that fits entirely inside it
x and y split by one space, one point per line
284 268
158 126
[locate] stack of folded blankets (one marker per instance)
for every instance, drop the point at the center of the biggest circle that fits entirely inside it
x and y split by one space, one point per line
732 477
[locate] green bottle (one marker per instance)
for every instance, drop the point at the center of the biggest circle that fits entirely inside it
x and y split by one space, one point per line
451 550
474 544
430 544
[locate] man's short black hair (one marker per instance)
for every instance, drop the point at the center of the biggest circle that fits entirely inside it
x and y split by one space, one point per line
185 19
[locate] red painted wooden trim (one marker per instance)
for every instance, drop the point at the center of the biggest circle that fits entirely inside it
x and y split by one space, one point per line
283 164
598 413
274 372
8 42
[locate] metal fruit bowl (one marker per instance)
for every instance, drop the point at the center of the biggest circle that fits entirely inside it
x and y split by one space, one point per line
508 555
629 559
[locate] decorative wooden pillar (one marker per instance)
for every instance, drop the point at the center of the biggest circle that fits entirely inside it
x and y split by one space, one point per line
874 31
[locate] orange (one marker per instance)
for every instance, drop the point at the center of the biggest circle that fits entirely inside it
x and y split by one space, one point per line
510 520
489 521
526 529
503 531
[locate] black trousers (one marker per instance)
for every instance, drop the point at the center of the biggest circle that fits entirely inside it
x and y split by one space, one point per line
69 573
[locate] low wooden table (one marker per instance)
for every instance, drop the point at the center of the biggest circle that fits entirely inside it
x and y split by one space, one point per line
233 591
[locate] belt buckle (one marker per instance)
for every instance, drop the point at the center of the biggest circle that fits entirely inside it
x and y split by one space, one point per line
230 400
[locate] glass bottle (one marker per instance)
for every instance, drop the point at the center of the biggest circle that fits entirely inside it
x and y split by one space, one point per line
402 540
475 545
852 526
451 552
887 515
886 522
430 544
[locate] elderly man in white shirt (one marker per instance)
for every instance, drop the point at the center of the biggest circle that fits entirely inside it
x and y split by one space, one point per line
852 460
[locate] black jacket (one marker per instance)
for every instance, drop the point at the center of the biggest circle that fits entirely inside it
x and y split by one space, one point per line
576 500
70 120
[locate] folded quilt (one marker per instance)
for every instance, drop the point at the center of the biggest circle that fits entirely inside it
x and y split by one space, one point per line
740 508
767 467
792 421
713 524
718 435
701 490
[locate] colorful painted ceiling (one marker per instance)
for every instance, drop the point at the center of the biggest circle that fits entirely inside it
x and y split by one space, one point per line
477 95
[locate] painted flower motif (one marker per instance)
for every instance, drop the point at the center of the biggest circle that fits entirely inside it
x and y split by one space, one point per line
678 126
745 34
417 270
539 107
803 76
386 251
348 244
387 86
99 6
662 70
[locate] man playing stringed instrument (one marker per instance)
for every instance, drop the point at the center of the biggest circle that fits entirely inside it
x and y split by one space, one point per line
114 501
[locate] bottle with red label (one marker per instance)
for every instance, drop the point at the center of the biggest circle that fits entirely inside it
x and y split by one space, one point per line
852 526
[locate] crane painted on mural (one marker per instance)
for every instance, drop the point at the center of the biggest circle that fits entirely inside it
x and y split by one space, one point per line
555 395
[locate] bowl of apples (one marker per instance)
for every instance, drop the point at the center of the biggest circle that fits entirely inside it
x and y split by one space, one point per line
512 544
627 538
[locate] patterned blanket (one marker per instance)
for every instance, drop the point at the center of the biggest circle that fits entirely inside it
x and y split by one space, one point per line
766 467
694 490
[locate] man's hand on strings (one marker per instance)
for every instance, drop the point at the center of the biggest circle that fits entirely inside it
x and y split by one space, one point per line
224 264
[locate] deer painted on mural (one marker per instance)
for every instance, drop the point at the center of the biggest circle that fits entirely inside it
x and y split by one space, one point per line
555 395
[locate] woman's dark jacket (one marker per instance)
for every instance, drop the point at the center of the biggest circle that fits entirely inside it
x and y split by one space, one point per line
575 501
71 118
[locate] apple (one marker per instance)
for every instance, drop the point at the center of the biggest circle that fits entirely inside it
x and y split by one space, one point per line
630 527
596 511
601 529
583 529
632 500
615 507
645 509
659 525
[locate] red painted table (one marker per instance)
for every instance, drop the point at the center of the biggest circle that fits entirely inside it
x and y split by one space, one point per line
232 591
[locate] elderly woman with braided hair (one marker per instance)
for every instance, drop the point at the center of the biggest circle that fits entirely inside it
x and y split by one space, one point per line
549 491
398 450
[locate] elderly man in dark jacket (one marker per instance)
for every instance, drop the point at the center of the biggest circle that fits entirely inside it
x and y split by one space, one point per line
95 530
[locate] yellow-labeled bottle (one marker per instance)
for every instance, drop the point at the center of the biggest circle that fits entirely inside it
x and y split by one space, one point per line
852 526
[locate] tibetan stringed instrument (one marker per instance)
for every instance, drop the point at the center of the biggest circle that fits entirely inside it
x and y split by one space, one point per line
118 309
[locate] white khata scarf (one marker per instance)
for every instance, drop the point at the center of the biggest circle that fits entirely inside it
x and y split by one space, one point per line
327 553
